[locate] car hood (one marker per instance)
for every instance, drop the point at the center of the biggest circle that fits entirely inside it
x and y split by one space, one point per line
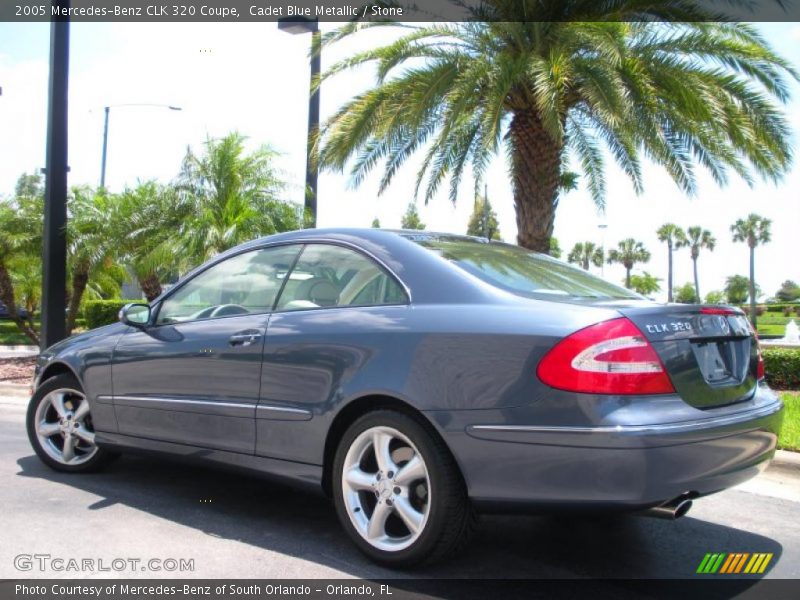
80 338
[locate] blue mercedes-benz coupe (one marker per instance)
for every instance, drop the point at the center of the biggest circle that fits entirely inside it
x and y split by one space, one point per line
418 379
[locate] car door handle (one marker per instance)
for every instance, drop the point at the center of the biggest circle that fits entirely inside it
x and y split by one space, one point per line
244 338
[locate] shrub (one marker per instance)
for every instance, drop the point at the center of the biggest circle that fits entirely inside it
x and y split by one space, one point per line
787 311
759 310
103 312
782 366
777 307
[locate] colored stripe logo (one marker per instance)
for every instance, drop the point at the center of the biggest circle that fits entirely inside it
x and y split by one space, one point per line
734 562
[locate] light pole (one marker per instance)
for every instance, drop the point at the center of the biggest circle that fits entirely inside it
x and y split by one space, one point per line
602 227
297 25
54 239
107 111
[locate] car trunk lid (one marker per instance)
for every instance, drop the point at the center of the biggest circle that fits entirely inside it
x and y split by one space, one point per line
709 352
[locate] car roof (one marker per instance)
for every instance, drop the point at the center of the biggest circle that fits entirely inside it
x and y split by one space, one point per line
367 233
428 277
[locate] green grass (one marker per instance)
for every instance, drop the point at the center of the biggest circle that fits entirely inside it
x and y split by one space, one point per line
775 318
790 434
778 330
773 323
10 335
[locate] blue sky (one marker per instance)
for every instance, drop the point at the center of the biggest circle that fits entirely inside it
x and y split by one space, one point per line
252 78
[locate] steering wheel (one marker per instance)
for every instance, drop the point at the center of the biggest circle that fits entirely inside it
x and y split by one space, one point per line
225 310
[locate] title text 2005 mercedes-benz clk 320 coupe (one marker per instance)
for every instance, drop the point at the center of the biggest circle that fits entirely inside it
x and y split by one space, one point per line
418 379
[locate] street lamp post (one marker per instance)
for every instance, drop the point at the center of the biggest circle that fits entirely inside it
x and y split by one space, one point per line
297 25
107 111
54 238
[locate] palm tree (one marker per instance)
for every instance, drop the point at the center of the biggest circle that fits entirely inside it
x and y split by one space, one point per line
584 253
753 230
144 221
234 198
675 237
698 238
90 248
26 273
20 240
551 83
628 252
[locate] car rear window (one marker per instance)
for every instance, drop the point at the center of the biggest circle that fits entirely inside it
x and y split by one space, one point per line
521 271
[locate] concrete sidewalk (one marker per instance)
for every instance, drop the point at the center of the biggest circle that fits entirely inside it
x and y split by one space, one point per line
14 390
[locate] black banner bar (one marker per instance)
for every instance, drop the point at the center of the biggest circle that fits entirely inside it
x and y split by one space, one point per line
178 11
395 589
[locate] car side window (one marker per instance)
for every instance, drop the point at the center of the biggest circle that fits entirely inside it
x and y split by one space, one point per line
327 275
247 283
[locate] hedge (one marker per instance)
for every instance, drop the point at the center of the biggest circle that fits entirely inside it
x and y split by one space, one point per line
103 312
782 366
779 307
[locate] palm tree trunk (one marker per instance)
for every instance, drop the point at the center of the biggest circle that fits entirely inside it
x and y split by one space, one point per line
151 286
753 286
7 298
669 273
80 280
696 281
535 169
628 277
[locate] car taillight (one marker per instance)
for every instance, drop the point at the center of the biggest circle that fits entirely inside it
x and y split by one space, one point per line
612 357
718 310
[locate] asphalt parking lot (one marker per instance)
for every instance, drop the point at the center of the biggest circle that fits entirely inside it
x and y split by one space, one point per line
235 526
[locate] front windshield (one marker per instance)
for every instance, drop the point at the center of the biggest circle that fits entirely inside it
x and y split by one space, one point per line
521 271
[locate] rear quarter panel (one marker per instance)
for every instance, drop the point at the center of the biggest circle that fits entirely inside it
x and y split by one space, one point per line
433 357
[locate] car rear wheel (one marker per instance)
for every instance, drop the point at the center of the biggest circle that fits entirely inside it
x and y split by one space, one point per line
60 427
398 491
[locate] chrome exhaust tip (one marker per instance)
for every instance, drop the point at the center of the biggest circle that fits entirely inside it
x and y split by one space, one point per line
674 509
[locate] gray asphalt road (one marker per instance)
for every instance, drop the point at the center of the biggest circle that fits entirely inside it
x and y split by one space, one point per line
237 526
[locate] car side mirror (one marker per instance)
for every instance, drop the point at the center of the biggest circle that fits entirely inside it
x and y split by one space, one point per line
135 315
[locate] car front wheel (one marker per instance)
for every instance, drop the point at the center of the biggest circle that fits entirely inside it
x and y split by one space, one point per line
398 491
60 428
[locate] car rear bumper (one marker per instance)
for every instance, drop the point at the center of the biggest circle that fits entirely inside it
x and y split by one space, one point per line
619 466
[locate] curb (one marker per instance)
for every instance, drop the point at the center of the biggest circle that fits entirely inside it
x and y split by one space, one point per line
19 351
787 461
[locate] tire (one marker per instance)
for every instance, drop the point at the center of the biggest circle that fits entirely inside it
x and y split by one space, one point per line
424 510
60 429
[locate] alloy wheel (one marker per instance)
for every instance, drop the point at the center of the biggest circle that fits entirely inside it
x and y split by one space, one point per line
386 488
64 427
